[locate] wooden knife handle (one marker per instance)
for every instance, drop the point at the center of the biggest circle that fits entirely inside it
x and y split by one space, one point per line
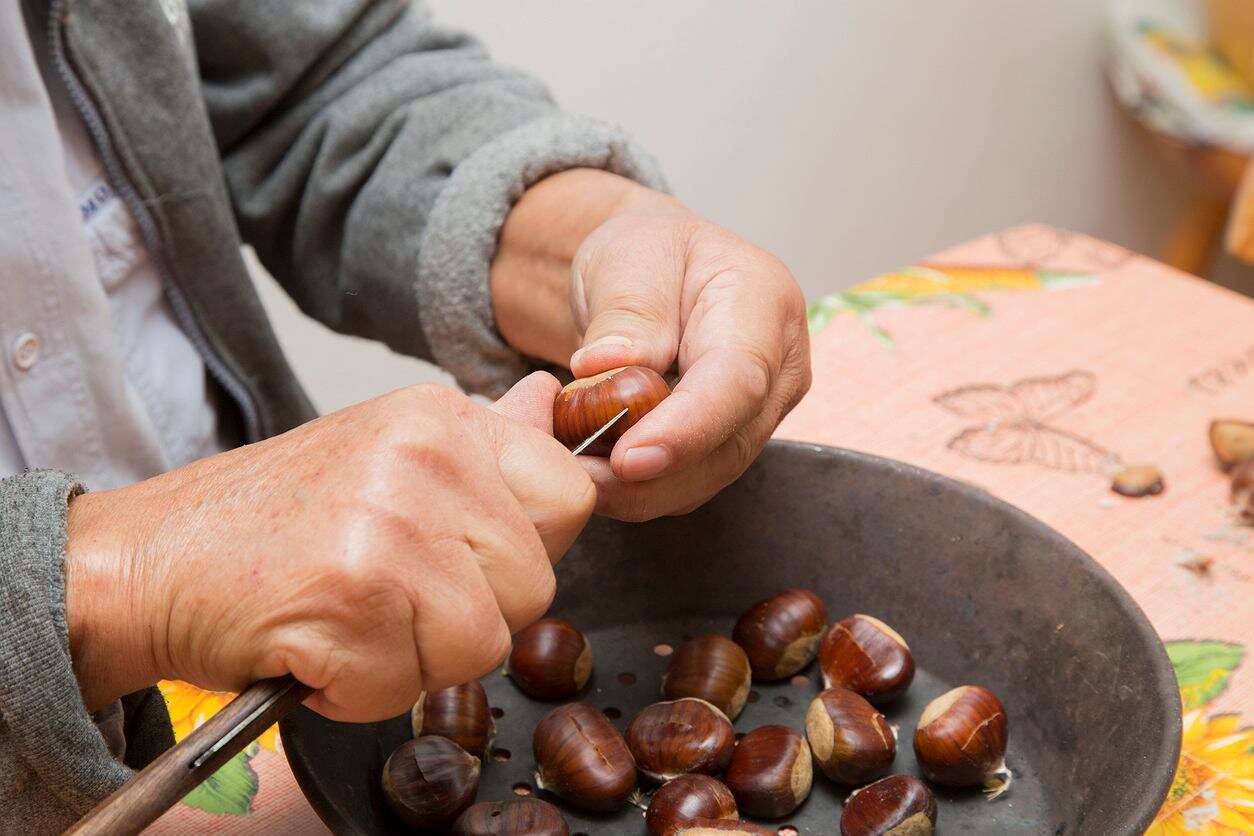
177 771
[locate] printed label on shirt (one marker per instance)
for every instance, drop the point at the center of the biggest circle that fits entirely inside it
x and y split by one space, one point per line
93 201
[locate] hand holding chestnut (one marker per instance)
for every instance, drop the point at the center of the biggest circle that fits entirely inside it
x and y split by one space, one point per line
589 403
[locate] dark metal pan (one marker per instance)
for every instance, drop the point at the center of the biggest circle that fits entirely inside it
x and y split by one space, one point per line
983 593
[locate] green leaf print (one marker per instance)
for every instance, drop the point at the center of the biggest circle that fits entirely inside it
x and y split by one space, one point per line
230 790
1203 668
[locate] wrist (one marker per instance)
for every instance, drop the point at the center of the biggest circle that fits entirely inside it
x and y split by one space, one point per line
530 273
107 602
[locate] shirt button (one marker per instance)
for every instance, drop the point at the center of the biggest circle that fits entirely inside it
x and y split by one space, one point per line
25 351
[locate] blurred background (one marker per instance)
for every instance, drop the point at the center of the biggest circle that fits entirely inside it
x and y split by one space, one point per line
847 136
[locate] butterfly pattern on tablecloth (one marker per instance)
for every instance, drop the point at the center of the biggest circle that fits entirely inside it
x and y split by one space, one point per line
1017 423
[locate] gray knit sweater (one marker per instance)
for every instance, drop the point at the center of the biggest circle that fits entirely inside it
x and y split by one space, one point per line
371 158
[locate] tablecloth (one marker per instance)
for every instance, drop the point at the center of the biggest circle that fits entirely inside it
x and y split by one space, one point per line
1029 362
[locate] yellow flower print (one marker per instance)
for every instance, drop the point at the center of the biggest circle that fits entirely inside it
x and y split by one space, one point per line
1205 70
190 706
1213 791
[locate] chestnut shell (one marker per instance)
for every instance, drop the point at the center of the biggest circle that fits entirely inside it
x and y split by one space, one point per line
581 758
550 659
429 781
781 634
686 798
898 804
851 741
515 817
770 772
702 827
961 737
868 657
711 668
587 404
669 739
460 713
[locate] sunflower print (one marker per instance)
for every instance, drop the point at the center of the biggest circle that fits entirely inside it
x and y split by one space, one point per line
1207 72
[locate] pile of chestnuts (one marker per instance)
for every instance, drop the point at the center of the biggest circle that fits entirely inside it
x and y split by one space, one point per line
703 777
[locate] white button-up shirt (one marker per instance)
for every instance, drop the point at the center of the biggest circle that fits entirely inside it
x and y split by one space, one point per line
96 378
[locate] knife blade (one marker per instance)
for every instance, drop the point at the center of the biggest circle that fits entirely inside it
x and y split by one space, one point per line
584 445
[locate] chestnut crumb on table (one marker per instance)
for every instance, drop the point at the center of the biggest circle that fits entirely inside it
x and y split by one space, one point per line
1243 491
1232 441
1138 480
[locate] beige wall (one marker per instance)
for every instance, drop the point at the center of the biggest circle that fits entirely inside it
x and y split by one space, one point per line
848 136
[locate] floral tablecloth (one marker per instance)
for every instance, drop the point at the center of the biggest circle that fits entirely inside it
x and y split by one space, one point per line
1028 362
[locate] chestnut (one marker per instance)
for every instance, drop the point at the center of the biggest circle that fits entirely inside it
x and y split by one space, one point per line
669 739
587 404
516 817
866 656
711 668
686 798
711 827
1137 481
1232 441
961 740
770 772
1243 490
550 660
581 758
429 781
460 713
898 804
851 741
780 635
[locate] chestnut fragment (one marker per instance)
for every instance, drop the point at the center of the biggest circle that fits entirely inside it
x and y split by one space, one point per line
1232 441
851 741
717 827
550 660
669 739
686 798
429 781
868 657
1137 481
781 634
516 817
460 713
587 404
711 668
1243 490
581 758
961 740
899 804
770 772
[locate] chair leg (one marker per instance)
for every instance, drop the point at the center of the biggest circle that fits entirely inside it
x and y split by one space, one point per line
1195 239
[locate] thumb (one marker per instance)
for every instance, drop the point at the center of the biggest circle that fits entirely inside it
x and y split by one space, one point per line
627 294
530 401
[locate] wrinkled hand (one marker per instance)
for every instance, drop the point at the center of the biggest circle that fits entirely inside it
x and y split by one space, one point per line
385 549
654 284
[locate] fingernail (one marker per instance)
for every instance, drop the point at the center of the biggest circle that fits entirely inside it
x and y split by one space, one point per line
613 339
641 463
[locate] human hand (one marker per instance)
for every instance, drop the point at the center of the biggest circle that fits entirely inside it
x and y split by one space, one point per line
619 275
385 549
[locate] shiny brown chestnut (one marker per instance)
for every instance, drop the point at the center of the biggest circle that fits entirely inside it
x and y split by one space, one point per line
851 741
669 739
770 772
516 817
587 404
550 660
1243 490
686 798
781 634
718 827
460 713
901 805
581 758
429 781
961 740
711 668
868 657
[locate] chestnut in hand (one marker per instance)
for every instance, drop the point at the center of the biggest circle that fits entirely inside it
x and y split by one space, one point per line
868 657
711 668
581 758
686 798
669 739
851 741
708 827
961 740
770 772
429 781
587 404
550 660
780 635
516 817
459 713
898 804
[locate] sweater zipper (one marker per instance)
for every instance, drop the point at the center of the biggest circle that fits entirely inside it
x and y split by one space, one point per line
148 229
